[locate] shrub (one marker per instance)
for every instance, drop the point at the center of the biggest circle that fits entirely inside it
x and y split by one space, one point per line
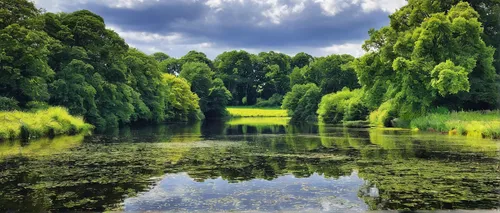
302 102
8 104
273 101
50 122
345 105
383 116
37 106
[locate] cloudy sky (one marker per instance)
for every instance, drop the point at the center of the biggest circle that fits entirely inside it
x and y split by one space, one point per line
318 27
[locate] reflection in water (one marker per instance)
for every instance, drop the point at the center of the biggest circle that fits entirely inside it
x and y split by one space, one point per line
178 192
234 166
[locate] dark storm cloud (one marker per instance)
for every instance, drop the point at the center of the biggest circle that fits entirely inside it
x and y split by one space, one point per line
242 25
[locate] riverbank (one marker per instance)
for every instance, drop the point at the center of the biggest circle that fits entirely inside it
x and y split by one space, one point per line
476 124
256 112
44 123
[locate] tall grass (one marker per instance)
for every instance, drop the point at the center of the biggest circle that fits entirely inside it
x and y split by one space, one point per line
256 112
476 124
50 122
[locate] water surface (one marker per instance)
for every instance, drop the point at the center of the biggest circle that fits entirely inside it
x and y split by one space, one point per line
250 165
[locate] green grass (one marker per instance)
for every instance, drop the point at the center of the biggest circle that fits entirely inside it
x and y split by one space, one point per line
262 121
256 112
50 122
475 124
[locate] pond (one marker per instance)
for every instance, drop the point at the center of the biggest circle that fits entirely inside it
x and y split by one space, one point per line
250 165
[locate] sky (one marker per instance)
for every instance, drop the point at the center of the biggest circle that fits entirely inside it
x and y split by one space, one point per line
317 27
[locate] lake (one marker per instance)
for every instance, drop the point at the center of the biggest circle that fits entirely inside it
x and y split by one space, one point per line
250 165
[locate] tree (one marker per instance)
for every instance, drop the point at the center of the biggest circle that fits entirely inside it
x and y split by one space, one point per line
24 69
301 60
219 97
17 12
332 73
183 105
302 102
276 68
298 76
145 78
236 69
441 60
194 56
159 56
171 66
199 75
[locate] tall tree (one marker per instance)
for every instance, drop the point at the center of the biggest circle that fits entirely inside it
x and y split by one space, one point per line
199 76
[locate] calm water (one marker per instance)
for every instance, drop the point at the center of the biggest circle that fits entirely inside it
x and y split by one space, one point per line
265 166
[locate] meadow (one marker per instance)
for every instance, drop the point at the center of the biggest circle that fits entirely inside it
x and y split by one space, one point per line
49 122
256 112
477 124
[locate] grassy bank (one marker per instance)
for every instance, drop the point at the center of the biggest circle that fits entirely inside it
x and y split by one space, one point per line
477 124
256 112
50 122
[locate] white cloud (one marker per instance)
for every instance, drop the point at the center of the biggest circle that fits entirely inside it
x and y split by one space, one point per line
333 7
388 6
353 49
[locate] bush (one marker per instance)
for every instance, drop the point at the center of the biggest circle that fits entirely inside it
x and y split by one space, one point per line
383 116
50 122
8 104
37 106
273 101
302 102
342 106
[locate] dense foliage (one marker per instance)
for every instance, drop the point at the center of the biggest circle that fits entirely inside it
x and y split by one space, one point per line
72 60
431 55
345 105
302 102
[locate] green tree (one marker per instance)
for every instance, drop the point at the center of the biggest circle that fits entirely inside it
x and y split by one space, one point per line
302 102
144 77
219 97
171 66
332 73
199 75
236 69
159 56
418 63
17 12
298 76
276 68
194 56
24 70
183 105
301 60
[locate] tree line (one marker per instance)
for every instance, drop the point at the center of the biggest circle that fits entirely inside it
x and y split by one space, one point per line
434 54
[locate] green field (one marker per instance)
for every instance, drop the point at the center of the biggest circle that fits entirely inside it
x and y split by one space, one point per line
476 124
50 122
256 112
